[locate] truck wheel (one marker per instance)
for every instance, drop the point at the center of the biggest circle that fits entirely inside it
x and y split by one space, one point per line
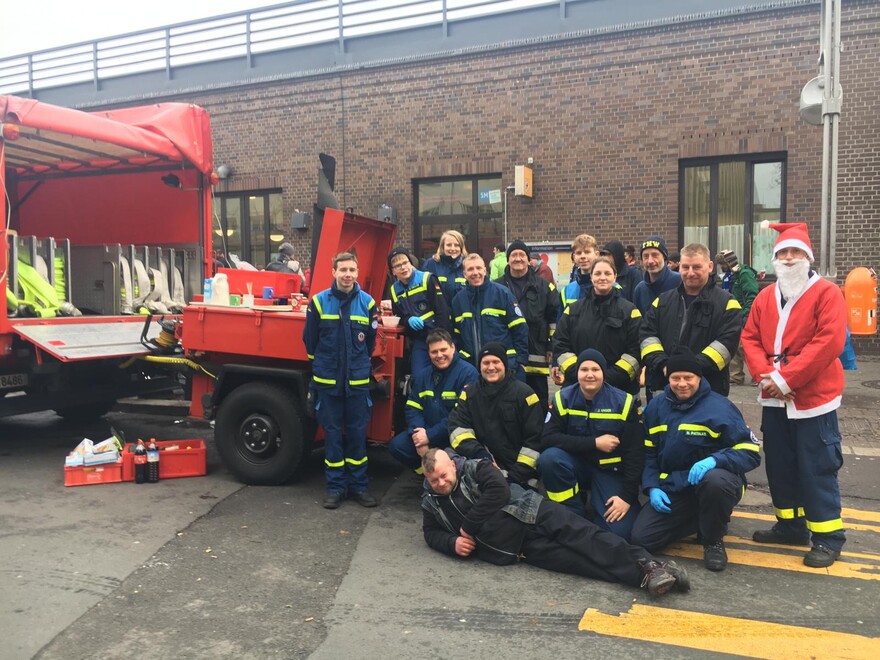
259 433
88 412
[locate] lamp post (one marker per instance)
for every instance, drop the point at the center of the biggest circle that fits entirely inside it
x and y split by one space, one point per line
506 190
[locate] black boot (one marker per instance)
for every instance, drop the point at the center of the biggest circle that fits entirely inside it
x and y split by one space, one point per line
658 580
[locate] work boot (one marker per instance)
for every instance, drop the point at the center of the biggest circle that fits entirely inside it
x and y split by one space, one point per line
682 581
821 556
365 499
715 556
333 500
658 579
782 536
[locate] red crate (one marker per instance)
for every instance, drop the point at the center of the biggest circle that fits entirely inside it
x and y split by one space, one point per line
190 460
107 473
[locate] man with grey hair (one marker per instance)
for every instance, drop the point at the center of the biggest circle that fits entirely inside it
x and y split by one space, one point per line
696 314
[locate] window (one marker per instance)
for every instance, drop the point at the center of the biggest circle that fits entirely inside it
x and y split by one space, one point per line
722 202
252 225
472 205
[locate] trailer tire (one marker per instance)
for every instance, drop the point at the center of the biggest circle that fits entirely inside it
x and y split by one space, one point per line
87 412
260 434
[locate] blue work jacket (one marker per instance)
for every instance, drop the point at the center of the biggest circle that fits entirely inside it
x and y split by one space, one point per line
489 313
434 394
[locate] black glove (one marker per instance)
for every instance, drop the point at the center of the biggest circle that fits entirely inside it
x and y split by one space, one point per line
520 474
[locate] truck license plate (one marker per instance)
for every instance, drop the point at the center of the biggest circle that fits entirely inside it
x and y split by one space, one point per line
10 381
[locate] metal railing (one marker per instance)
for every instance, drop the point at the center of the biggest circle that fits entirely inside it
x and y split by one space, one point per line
240 35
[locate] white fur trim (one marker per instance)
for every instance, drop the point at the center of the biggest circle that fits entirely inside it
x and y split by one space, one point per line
795 243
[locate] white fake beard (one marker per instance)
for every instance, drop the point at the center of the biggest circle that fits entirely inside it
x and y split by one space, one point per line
792 280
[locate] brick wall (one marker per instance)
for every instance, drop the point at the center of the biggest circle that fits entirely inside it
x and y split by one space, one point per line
606 119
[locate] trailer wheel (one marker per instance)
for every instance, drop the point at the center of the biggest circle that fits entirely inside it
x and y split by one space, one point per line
88 412
259 432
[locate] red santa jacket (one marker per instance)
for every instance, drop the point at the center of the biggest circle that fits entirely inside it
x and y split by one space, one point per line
809 336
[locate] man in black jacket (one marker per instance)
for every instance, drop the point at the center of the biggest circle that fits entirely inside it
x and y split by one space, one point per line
698 315
469 508
498 418
538 300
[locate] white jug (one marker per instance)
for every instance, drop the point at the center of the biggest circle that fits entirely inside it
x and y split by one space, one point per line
220 290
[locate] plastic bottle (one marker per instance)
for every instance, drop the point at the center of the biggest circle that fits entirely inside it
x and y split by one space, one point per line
220 290
152 462
207 290
140 463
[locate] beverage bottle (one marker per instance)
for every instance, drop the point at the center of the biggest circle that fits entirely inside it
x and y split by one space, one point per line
140 463
152 462
208 290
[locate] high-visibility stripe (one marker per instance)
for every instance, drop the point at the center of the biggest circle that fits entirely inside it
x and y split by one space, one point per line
700 429
414 404
317 302
825 526
393 294
650 345
733 303
493 311
717 353
360 319
788 514
532 399
325 381
511 351
365 381
356 461
563 495
441 278
540 359
516 322
657 429
371 304
460 280
608 461
329 317
628 363
536 370
420 470
626 406
648 443
656 302
425 317
425 393
635 314
465 315
310 356
335 466
525 459
463 395
750 446
567 360
449 395
663 475
459 435
562 410
599 415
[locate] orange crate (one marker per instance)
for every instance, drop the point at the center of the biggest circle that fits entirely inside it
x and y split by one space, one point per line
108 473
190 460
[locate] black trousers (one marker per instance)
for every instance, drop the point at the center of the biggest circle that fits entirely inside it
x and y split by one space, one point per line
562 541
538 382
703 508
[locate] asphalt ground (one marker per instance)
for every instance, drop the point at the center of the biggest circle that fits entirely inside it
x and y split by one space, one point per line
206 568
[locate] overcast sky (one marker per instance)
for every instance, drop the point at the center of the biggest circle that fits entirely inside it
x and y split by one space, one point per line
37 24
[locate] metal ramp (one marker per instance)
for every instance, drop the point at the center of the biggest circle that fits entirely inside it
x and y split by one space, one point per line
87 340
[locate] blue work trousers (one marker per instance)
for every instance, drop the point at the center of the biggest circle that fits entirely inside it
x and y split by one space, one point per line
803 458
345 420
568 478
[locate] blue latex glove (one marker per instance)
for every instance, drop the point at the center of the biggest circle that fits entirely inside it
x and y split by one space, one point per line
699 470
416 323
659 500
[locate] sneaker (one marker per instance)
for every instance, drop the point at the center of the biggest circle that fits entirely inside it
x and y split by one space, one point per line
715 556
365 499
333 500
782 536
682 581
658 580
821 556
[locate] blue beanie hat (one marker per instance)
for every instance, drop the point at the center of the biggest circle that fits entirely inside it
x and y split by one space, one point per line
594 356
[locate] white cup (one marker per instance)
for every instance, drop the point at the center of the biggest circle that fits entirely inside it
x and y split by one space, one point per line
247 300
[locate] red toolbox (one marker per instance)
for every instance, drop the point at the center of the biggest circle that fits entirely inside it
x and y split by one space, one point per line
283 284
86 475
187 460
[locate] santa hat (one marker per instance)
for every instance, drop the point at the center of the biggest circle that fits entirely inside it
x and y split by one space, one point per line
791 234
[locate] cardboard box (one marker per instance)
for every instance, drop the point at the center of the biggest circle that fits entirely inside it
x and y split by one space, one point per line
108 473
188 460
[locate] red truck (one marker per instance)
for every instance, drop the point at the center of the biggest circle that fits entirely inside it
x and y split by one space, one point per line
109 215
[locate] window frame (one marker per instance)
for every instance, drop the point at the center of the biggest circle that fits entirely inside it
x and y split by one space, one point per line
750 160
243 198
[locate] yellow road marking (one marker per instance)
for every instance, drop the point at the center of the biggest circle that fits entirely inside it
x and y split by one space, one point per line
858 514
847 524
795 562
739 540
721 634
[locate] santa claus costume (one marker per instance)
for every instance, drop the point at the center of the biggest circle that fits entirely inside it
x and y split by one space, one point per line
794 345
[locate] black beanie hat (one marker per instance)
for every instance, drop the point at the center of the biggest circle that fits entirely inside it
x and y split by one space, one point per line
396 251
683 359
594 356
655 242
518 245
495 348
